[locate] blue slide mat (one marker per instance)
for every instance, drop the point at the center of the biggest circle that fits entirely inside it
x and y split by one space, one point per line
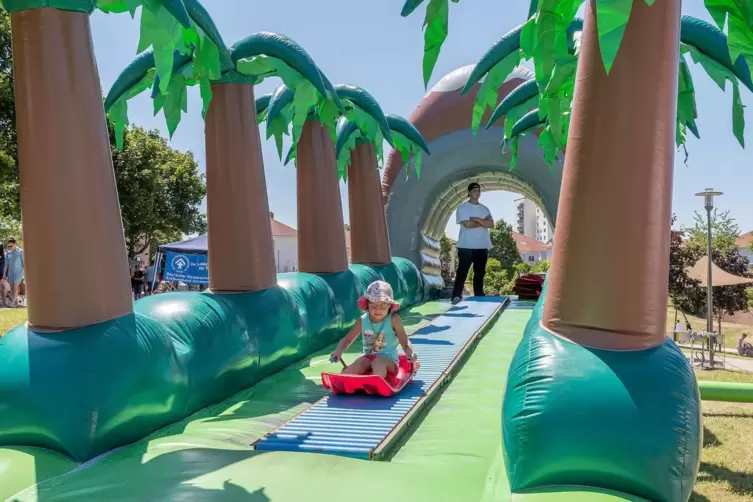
356 425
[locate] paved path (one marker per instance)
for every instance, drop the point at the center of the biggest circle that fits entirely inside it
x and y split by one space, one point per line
740 363
732 362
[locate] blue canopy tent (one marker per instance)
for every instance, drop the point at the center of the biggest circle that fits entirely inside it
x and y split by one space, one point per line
183 257
194 245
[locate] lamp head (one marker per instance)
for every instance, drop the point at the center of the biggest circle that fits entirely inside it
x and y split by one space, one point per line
708 196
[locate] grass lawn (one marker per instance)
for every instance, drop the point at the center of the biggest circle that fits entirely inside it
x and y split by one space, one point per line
726 473
10 318
731 331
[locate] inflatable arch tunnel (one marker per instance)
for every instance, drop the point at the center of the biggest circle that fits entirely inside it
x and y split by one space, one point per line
418 209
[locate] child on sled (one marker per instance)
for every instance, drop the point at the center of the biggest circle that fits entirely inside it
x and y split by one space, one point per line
380 329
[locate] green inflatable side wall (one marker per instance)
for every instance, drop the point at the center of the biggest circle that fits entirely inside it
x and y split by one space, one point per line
628 421
86 391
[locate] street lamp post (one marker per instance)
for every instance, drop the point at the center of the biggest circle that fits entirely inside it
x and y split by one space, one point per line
708 196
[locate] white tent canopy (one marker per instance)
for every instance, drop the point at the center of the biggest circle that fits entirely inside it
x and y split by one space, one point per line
719 277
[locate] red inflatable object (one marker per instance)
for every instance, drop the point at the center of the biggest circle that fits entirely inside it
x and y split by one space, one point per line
529 286
372 384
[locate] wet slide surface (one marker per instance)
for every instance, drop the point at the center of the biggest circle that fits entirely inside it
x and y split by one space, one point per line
453 452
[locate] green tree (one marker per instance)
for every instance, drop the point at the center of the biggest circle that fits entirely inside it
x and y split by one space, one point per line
11 228
445 258
686 293
729 299
683 290
504 249
522 268
10 206
542 266
160 190
749 296
497 280
724 232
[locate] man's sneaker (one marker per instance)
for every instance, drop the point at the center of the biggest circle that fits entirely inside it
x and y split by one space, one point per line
456 300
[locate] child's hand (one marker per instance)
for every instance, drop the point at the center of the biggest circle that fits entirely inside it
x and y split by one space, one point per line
334 357
412 357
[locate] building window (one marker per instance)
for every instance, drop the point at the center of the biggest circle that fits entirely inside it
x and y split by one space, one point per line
530 259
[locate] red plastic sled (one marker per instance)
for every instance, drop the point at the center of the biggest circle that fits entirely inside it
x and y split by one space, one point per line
372 384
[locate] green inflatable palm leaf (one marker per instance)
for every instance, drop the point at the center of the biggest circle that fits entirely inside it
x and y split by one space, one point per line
612 18
344 101
738 15
172 57
551 39
720 74
435 31
198 60
406 138
487 93
686 107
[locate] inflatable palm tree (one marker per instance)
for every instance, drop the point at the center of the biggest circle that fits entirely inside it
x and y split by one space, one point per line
321 240
68 192
358 160
598 399
237 204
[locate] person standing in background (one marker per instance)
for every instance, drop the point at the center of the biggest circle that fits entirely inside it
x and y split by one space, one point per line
149 278
4 285
138 278
678 330
14 270
474 242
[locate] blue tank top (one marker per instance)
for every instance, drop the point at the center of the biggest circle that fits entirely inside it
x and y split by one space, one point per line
379 339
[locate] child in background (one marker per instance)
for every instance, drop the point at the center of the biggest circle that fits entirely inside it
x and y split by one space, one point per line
380 329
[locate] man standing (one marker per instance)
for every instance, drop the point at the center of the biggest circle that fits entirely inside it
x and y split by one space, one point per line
474 242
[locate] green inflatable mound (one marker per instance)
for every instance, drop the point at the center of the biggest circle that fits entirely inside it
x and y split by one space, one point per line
86 391
627 421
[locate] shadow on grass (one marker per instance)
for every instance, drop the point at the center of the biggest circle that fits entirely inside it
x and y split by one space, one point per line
697 497
739 483
709 438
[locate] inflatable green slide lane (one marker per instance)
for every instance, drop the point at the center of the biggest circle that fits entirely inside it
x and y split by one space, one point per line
625 421
66 398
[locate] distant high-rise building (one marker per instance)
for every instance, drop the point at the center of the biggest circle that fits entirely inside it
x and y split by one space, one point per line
531 221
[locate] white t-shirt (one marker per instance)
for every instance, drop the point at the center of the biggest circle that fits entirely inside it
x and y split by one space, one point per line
473 238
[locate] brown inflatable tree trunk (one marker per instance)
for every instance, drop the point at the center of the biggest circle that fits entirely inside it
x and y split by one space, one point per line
369 242
321 232
74 248
608 282
241 252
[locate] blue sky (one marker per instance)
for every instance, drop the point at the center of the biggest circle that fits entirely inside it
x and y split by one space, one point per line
367 43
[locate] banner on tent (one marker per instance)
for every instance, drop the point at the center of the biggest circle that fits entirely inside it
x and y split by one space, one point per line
186 268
